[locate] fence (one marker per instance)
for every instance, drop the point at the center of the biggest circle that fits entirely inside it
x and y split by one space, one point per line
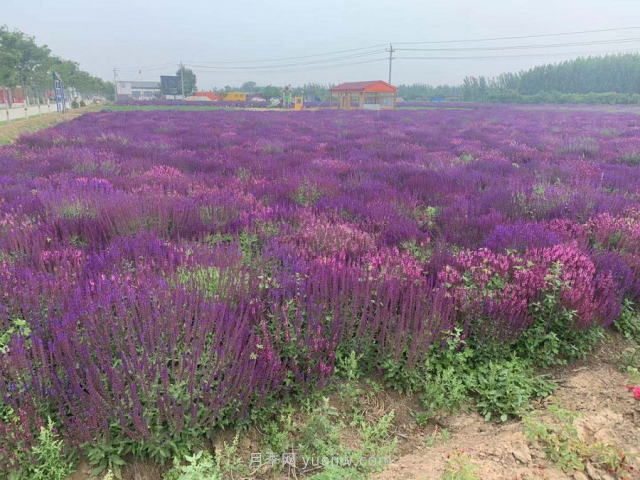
26 111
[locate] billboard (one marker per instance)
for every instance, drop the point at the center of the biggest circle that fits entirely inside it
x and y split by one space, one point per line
170 84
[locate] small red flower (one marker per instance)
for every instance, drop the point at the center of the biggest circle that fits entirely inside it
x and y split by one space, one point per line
636 393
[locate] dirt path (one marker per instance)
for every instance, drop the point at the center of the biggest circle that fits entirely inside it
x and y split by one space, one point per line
610 415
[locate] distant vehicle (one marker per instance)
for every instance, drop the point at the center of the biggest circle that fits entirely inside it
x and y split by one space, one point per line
258 99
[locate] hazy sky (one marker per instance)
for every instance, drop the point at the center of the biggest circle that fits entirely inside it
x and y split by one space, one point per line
131 34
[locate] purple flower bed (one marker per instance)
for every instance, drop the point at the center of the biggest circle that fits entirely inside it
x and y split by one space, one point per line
189 103
164 273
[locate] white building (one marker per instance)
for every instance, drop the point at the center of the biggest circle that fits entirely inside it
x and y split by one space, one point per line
137 90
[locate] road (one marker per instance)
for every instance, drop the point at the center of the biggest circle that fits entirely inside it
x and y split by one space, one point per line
16 113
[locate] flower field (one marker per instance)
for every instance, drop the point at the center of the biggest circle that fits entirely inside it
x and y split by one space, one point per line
166 273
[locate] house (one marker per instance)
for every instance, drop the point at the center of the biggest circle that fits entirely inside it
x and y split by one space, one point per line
370 95
137 90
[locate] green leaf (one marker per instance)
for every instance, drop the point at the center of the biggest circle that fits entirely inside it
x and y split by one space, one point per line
98 470
115 460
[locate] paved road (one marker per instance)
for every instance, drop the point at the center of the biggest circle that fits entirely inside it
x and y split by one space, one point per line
15 113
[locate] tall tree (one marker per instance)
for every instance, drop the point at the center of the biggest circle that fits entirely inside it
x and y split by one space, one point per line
189 78
249 86
270 91
23 62
20 57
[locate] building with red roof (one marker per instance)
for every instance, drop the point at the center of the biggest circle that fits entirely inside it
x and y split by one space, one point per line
371 95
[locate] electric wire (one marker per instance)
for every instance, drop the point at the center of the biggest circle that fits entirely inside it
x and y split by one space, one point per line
534 55
329 60
519 37
522 47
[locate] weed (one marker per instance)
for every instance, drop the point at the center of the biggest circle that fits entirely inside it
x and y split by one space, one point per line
563 446
460 467
306 194
50 458
421 418
200 465
320 437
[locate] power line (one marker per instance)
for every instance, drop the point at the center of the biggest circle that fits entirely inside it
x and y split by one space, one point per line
328 60
149 67
523 47
306 69
537 55
226 65
293 58
520 37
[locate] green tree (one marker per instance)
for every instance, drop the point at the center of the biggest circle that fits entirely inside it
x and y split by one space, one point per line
190 85
270 91
23 62
249 87
20 57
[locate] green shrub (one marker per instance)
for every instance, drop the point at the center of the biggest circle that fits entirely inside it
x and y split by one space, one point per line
553 339
402 377
446 391
628 323
505 387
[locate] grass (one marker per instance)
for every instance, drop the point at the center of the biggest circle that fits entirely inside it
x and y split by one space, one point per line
10 132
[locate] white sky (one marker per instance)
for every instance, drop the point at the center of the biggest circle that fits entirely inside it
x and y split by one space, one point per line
130 34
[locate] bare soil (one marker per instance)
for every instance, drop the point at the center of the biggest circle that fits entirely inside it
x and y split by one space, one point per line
610 415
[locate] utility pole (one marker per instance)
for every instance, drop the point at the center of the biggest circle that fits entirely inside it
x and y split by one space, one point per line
182 78
391 50
115 86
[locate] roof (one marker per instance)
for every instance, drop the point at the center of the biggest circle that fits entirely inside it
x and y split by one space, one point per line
370 86
145 85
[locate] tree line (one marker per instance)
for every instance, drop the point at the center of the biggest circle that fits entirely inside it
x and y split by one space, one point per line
594 79
608 79
23 62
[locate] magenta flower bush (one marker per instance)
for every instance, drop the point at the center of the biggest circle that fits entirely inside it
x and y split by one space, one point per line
166 273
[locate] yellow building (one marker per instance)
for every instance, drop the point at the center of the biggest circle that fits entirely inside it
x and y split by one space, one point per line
235 97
